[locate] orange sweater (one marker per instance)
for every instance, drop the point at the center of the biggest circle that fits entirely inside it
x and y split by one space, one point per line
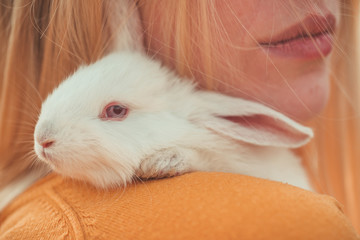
192 206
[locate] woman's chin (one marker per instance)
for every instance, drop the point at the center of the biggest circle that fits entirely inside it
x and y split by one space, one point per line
306 110
309 97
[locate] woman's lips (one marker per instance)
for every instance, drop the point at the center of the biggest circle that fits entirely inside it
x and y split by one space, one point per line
311 38
305 47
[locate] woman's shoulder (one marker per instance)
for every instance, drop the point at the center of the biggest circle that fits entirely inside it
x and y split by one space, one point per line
192 206
40 212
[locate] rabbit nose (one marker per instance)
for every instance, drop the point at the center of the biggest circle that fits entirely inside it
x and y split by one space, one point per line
47 143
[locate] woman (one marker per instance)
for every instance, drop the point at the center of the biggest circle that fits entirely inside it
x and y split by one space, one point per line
280 53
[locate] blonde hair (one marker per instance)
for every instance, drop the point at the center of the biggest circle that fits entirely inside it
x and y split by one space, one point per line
47 40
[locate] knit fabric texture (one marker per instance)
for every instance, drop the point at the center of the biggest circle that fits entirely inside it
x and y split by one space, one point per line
192 206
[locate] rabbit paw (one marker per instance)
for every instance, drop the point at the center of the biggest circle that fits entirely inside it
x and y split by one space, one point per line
164 163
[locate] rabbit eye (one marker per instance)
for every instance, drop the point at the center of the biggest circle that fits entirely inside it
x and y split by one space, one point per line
114 111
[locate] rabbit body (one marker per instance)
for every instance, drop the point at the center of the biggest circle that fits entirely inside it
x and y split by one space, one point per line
171 128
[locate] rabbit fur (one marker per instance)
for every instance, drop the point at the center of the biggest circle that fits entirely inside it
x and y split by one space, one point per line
171 128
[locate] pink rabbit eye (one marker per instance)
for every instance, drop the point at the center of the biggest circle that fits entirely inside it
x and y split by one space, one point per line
114 111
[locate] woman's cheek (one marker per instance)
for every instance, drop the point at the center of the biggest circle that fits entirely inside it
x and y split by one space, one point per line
299 89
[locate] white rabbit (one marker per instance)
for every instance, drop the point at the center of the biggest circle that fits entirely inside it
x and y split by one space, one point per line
126 116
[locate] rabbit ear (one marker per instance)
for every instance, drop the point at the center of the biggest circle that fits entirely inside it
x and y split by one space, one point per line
126 25
252 122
